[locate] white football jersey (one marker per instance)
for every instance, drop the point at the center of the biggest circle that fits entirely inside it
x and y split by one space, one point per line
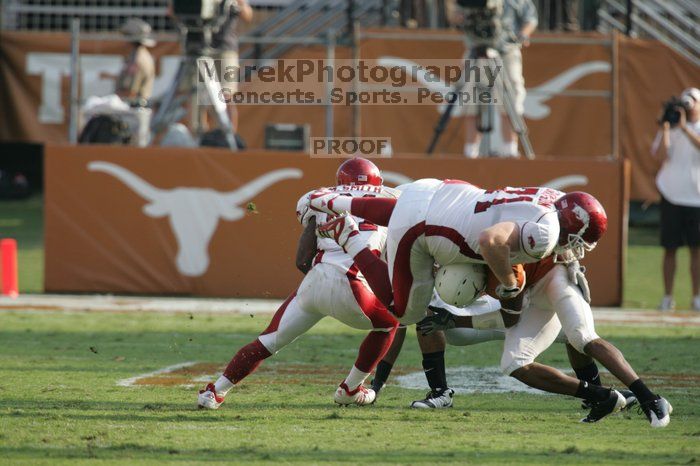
460 211
373 235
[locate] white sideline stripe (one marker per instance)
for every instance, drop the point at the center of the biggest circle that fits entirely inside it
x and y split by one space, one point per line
109 303
170 305
132 380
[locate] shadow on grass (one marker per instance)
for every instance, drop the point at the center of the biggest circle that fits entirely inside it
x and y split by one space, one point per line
314 454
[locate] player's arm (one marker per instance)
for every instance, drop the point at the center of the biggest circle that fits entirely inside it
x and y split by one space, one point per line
495 244
306 249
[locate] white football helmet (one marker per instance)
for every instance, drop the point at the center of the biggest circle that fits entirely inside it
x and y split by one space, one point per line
460 284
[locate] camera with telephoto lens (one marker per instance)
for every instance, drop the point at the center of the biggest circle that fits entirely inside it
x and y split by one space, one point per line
672 109
199 20
482 21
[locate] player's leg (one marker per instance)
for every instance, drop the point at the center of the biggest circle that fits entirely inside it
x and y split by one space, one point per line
537 329
373 348
577 322
433 350
383 370
286 325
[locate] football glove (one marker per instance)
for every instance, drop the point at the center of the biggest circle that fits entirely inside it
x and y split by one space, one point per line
577 276
504 292
441 319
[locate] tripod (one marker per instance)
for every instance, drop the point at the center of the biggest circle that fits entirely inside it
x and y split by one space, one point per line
184 87
484 111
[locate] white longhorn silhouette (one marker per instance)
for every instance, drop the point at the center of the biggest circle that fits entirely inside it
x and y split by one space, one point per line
194 213
535 107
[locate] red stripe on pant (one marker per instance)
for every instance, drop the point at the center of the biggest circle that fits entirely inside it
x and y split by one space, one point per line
371 306
403 279
275 322
377 342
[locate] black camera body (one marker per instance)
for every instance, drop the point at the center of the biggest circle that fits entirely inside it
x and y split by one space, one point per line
482 21
672 109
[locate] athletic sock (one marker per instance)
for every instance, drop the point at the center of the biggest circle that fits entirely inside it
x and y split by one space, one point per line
223 385
355 378
434 368
591 392
381 375
589 374
641 391
246 361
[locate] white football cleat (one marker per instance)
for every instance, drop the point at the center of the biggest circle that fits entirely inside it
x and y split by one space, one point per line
208 398
361 396
657 411
324 200
339 229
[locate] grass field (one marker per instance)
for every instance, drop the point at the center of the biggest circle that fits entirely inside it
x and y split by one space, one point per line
643 289
60 402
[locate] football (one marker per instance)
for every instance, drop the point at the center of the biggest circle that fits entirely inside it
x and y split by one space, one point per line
460 284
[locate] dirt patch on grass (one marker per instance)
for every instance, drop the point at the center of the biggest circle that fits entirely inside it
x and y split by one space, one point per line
275 373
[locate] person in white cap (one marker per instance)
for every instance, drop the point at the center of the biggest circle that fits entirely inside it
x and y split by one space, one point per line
135 81
678 182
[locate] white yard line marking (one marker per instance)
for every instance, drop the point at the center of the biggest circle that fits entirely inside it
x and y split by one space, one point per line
131 381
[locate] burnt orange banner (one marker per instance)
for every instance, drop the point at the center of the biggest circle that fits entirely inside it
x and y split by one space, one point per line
569 107
209 223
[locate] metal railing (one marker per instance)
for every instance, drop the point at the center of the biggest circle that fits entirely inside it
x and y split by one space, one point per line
97 16
675 24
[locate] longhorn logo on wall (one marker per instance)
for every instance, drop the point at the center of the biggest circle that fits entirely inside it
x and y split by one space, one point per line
194 213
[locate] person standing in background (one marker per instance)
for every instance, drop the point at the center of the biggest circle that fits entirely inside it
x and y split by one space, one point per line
225 45
678 182
519 21
135 81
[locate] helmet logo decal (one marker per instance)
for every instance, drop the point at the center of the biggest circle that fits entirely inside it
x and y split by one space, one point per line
531 242
583 216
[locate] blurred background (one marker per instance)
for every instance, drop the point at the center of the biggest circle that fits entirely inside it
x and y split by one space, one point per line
101 121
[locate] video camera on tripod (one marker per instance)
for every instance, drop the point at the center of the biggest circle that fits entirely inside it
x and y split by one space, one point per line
482 21
199 20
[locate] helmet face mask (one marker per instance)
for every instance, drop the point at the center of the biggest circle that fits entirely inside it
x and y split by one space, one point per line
574 249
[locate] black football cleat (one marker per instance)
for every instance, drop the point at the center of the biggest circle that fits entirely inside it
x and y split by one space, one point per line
437 399
630 400
599 409
657 411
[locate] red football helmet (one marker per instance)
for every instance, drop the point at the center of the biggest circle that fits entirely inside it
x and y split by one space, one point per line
582 222
358 171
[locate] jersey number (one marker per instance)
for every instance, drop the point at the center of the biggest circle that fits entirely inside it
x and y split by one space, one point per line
523 195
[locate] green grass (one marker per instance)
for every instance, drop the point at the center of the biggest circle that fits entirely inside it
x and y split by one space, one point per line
24 221
59 403
643 288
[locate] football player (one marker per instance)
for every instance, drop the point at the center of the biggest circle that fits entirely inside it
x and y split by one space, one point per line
333 286
553 303
452 222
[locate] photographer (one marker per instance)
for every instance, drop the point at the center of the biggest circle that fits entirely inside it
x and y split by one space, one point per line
518 22
678 182
225 45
